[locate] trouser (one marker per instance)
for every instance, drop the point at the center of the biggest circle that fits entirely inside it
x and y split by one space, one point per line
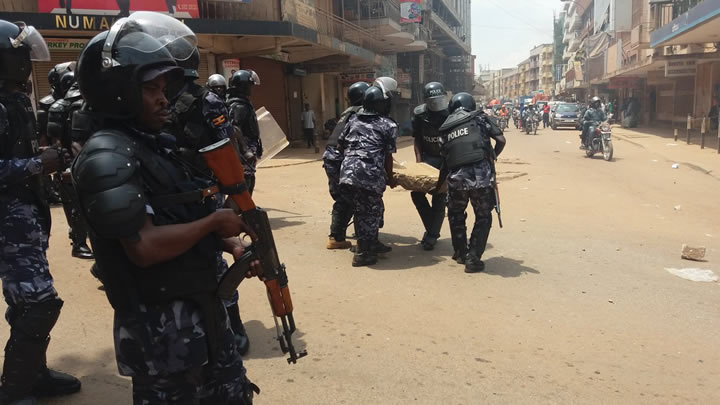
78 230
223 383
368 209
342 210
546 120
432 216
33 304
250 182
309 136
483 202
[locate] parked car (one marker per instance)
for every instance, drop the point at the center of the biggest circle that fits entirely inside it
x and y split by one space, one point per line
566 115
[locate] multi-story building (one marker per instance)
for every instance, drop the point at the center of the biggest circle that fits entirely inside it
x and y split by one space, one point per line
306 51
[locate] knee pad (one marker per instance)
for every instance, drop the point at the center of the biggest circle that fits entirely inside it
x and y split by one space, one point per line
35 321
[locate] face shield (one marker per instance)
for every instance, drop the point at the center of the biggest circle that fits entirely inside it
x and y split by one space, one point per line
155 25
31 38
255 78
387 84
437 103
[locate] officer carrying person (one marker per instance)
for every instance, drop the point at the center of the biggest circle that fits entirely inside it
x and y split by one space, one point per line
199 118
426 122
469 169
342 210
242 114
368 142
59 129
156 233
33 303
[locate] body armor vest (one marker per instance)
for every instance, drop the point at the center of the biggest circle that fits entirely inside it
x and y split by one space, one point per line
249 125
20 141
465 140
42 113
428 123
340 126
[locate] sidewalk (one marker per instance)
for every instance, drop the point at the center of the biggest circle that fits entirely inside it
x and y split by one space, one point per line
661 141
299 154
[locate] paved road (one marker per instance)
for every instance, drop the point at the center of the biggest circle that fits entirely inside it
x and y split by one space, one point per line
575 307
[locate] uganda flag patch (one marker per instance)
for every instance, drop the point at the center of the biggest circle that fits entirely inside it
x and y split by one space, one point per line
219 120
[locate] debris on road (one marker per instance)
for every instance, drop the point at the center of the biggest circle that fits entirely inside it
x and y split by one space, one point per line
694 274
677 207
693 253
671 144
675 166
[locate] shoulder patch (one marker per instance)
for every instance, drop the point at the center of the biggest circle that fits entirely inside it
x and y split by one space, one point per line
419 110
219 121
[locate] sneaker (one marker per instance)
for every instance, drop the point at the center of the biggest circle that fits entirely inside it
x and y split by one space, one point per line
336 244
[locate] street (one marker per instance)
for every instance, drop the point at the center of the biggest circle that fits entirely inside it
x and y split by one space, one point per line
575 305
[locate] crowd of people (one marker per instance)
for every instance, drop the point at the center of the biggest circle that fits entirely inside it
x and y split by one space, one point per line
125 133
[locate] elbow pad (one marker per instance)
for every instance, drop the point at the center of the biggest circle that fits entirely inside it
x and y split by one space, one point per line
109 186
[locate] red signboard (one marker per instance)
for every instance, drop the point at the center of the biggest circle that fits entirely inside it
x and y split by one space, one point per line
177 8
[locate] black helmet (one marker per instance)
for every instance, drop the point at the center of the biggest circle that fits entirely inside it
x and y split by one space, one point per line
378 97
57 72
66 81
19 46
190 60
435 96
595 102
217 80
356 93
462 100
114 64
241 82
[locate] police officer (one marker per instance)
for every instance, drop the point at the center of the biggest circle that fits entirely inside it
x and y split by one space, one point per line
218 85
368 142
198 119
468 168
593 115
33 303
244 117
332 160
59 129
426 122
156 238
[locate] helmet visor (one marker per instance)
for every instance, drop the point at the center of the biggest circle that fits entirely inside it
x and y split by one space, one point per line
31 38
255 77
437 103
155 25
387 85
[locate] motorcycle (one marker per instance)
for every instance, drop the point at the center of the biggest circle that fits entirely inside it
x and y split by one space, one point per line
600 142
531 124
516 118
503 122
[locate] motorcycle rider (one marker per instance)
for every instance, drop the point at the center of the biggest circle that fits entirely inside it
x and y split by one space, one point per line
426 122
33 305
218 85
528 113
468 168
342 209
593 116
243 116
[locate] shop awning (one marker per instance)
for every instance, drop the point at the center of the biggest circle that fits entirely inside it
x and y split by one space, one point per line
698 25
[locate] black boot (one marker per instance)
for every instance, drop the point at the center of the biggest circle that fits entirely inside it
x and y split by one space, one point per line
81 250
378 247
54 383
458 234
478 243
241 339
435 221
364 256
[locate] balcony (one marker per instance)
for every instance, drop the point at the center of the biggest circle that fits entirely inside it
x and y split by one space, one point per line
640 37
447 38
380 16
574 44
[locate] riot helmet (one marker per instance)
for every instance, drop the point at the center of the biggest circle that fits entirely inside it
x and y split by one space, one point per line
462 100
595 102
378 97
435 96
217 84
255 77
182 47
66 81
20 44
56 73
114 64
356 93
240 83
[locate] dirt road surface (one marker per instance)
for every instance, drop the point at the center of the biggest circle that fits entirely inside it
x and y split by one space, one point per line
575 306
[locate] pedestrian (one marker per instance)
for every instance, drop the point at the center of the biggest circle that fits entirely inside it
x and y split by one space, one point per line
469 169
199 118
155 231
546 115
243 116
342 210
426 122
308 123
368 142
33 303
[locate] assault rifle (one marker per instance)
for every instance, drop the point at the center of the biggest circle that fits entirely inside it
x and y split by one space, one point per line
225 163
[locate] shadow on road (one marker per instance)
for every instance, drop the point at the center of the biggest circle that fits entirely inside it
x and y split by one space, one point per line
407 253
101 383
506 267
264 344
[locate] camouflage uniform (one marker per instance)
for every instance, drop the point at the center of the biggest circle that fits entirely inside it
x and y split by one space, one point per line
243 116
367 140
